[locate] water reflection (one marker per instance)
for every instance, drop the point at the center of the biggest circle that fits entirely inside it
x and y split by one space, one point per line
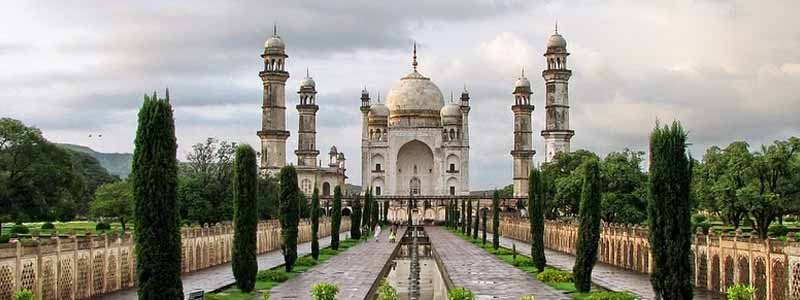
431 284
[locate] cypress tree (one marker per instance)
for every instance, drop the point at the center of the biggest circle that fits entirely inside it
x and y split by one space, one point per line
355 219
410 221
290 215
386 212
589 227
669 213
315 224
496 220
477 220
463 216
245 217
154 176
483 216
536 218
375 213
367 216
336 218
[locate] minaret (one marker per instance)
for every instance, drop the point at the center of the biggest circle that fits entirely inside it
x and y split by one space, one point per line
364 137
307 129
523 147
556 132
273 131
465 116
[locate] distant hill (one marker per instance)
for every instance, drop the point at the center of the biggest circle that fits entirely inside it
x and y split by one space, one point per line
118 164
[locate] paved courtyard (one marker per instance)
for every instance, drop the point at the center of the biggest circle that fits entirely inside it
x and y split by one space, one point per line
487 276
219 276
353 271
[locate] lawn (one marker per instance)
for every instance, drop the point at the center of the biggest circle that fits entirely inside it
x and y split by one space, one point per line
265 282
525 264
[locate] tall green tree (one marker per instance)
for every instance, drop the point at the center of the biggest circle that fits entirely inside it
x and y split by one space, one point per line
386 212
114 200
496 220
483 228
589 228
268 197
355 219
469 217
245 217
624 185
375 213
669 210
290 215
156 218
536 218
336 217
477 220
562 183
774 188
315 212
367 216
210 165
716 181
463 216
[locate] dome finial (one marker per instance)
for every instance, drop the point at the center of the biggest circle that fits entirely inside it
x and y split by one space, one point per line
556 26
307 76
379 97
274 28
451 96
465 88
523 72
414 62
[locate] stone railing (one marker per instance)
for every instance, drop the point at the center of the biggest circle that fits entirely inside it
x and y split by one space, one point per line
79 267
772 266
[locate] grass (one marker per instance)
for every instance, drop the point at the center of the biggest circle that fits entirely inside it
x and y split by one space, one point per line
76 227
525 264
264 286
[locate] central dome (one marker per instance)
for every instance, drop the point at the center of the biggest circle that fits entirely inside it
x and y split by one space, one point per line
414 92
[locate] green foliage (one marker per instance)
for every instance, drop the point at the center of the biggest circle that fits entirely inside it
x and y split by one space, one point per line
48 226
245 217
24 295
741 292
624 197
611 296
20 229
561 182
551 275
205 181
355 218
528 297
102 226
460 293
156 217
522 261
336 217
117 164
477 220
92 174
469 217
778 230
289 217
113 200
483 228
4 239
496 220
463 216
272 275
536 217
669 211
306 261
324 291
386 291
589 227
367 216
328 252
315 212
268 197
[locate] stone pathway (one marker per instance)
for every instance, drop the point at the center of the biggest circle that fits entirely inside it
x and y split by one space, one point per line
604 275
220 276
484 274
353 271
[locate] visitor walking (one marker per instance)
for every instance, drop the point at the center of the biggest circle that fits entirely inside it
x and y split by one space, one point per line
377 231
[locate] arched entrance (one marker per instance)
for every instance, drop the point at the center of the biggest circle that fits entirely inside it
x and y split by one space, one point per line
415 170
326 189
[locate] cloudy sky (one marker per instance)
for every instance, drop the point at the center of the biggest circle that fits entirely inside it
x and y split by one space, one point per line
729 70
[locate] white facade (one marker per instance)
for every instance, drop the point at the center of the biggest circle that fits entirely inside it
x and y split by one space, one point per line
415 144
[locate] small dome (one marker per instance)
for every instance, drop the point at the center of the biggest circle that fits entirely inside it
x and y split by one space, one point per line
378 110
522 82
556 41
451 110
274 42
308 82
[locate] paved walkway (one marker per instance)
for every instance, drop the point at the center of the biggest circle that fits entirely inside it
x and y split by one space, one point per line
353 271
484 274
605 275
220 276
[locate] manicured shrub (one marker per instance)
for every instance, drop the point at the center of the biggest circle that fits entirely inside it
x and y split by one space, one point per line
589 227
306 261
315 224
48 226
24 295
536 218
245 217
386 291
336 217
778 230
521 261
669 213
19 229
154 177
272 275
289 217
324 291
611 296
741 292
102 226
528 297
4 239
460 293
554 276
